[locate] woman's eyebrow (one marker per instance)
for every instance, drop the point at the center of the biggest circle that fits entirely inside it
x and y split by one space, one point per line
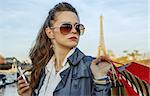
65 22
70 22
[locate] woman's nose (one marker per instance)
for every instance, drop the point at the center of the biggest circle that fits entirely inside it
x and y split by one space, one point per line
73 30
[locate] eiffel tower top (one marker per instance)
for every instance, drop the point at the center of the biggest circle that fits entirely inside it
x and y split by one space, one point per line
101 47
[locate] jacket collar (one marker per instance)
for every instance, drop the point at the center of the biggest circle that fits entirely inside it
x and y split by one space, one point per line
76 57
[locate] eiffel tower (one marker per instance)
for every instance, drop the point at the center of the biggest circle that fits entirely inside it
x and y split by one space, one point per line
101 47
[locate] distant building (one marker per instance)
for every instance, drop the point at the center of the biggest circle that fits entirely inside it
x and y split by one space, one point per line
6 63
10 64
2 59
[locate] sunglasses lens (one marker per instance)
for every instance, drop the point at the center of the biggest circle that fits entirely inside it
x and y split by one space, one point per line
80 29
65 28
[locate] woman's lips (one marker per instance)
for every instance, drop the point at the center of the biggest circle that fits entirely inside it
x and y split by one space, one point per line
73 38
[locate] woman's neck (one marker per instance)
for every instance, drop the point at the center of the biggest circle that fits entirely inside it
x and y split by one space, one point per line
60 53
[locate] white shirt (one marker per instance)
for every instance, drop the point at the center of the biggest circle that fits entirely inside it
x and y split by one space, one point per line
52 78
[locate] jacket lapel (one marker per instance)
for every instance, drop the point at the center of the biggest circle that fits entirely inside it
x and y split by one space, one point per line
64 75
76 57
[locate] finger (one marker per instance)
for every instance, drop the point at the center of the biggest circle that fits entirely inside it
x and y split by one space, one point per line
105 59
21 81
19 92
24 89
20 86
104 66
19 78
95 61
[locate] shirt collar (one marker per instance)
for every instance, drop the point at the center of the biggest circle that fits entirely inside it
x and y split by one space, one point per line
68 55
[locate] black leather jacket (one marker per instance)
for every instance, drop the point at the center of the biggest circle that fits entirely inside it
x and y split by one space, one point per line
77 80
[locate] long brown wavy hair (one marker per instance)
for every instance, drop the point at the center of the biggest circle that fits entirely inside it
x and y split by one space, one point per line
42 51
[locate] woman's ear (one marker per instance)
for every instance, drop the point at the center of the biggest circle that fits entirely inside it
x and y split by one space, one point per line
49 33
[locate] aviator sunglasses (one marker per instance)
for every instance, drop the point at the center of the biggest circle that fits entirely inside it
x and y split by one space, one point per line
66 28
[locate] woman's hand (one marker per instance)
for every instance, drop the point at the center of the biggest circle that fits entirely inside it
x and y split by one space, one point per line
102 68
23 88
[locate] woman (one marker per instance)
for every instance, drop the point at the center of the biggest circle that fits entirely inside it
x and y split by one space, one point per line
59 67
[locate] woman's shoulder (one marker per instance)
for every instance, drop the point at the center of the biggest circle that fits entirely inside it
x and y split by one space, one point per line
79 56
88 58
84 57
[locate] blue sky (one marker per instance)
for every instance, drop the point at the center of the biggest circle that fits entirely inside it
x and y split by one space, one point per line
125 24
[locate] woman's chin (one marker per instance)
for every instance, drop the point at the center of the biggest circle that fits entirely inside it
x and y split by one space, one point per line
72 45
